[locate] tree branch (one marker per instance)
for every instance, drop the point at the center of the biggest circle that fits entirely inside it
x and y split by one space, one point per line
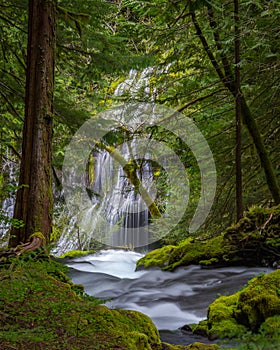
130 170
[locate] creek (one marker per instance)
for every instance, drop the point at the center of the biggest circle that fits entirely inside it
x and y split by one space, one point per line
171 299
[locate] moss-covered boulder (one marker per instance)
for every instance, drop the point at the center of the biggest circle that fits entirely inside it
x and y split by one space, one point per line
194 346
76 253
190 251
256 308
254 240
156 258
221 321
259 301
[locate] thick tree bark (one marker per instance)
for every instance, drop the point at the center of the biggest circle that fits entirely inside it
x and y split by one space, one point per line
34 199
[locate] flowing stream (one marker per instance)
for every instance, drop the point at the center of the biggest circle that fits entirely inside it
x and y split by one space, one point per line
171 299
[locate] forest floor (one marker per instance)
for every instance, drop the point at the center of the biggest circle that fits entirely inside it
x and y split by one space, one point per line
42 309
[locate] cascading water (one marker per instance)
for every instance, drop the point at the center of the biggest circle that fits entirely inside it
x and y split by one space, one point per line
10 173
115 204
114 199
119 202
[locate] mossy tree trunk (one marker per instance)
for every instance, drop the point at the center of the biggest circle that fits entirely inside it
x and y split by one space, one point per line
34 198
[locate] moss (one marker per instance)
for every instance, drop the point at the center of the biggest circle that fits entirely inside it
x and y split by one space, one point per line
201 328
254 308
221 320
194 346
39 311
254 240
39 235
271 328
201 346
76 253
259 300
156 258
256 236
209 262
208 252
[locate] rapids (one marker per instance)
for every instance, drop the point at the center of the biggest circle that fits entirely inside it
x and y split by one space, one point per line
171 299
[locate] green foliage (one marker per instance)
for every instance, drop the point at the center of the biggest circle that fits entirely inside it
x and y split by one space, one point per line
191 83
5 220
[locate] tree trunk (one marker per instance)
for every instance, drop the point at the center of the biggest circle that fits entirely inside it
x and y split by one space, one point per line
248 119
265 160
34 198
238 156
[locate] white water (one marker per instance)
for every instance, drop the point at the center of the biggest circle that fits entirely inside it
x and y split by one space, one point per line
114 201
10 169
118 263
171 299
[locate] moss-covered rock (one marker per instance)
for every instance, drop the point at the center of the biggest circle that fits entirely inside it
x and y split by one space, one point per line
194 346
156 258
207 252
200 329
221 320
254 308
254 240
259 300
76 253
201 346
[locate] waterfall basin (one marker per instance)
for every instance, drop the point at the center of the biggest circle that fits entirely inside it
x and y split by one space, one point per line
170 299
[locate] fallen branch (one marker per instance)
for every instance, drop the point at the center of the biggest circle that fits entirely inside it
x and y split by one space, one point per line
265 224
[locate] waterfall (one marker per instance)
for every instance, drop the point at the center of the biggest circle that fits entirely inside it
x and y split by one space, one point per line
9 173
137 83
119 202
114 170
117 211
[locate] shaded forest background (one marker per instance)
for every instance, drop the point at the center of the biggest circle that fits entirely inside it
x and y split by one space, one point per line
191 46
